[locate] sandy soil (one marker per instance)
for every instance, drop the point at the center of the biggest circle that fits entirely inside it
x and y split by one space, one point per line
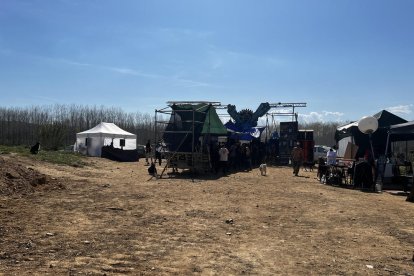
110 218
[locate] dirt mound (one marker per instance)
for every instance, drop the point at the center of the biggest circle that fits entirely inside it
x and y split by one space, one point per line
19 179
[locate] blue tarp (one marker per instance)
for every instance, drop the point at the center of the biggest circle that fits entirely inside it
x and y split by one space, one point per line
243 134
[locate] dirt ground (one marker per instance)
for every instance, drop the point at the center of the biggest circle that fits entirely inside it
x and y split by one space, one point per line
108 218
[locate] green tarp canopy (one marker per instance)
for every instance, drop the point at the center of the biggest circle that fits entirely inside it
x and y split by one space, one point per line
203 117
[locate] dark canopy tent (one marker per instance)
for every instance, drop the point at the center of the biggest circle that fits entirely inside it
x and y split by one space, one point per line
399 132
402 132
188 119
379 137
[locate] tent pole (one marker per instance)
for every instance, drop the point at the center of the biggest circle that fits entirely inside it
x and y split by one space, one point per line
155 128
406 150
386 145
192 146
352 147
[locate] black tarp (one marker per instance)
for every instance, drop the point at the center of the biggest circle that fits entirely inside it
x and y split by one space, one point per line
119 154
379 137
402 132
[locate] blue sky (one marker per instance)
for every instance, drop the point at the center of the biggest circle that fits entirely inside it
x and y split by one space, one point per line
344 58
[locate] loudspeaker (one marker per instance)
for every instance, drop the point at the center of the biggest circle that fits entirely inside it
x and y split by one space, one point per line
307 147
301 135
305 135
289 128
122 142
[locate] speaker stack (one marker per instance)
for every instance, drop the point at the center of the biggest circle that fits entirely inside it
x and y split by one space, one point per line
287 140
305 138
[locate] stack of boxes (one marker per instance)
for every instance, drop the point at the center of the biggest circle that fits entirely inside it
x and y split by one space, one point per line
287 140
305 138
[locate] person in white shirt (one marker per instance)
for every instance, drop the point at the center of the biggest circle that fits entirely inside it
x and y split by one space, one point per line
224 157
331 157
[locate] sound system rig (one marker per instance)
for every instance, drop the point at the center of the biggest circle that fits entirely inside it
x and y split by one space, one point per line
289 136
305 138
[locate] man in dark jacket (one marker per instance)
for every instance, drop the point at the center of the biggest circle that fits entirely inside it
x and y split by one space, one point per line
297 158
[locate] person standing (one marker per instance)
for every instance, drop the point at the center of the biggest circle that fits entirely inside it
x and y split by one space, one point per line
248 154
297 158
232 156
331 157
148 152
158 153
224 157
214 157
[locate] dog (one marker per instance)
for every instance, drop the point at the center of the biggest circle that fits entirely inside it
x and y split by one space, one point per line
323 170
310 165
35 149
263 169
152 170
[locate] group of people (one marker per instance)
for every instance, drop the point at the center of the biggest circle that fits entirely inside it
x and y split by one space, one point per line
297 158
152 170
233 157
224 157
159 149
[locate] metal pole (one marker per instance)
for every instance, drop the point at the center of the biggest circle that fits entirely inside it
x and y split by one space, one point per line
155 128
372 148
386 146
192 146
406 150
385 160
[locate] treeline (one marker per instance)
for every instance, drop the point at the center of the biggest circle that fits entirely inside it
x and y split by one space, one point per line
55 126
323 133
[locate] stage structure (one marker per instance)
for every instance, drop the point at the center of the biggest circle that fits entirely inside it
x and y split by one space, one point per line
280 144
191 128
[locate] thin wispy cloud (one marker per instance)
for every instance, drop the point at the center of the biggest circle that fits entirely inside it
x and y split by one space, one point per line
224 56
69 62
178 34
5 51
127 71
334 113
216 63
191 83
401 109
324 116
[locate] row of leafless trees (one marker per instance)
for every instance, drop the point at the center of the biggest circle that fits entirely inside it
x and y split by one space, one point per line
323 133
55 126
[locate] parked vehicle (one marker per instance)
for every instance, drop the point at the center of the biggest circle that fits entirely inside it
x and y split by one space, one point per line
319 151
141 151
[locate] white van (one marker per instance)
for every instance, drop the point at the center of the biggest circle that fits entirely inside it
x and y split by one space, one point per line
319 151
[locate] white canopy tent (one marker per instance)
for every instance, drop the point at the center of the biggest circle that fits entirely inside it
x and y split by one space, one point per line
90 142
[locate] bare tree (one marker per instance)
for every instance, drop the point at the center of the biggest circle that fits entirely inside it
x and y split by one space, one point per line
56 126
